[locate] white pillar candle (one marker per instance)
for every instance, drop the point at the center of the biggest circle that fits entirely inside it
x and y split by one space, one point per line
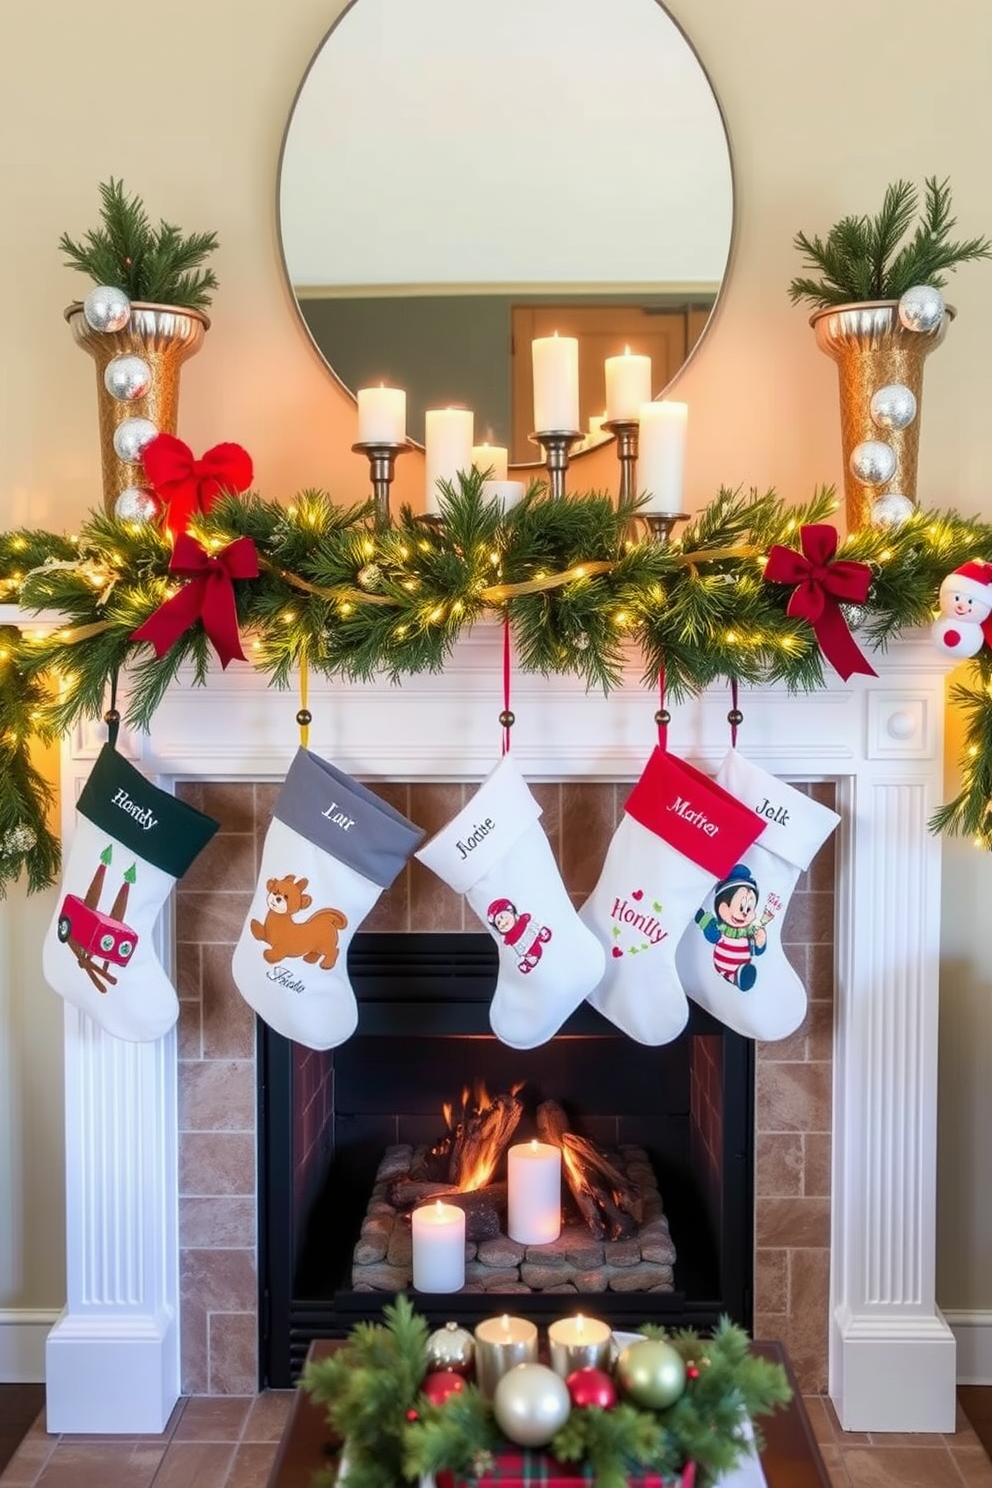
438 1248
507 491
533 1193
448 448
579 1343
492 458
381 415
628 385
661 455
501 1344
556 383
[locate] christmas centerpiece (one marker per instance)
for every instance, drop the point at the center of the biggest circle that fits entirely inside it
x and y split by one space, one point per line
141 321
658 1408
878 312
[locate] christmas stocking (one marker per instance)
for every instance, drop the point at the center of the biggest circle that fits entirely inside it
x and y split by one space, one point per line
132 841
730 958
680 831
495 852
331 849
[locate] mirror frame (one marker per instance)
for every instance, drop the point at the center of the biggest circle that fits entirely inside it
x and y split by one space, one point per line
352 393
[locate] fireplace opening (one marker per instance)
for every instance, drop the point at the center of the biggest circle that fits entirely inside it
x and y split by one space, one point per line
339 1131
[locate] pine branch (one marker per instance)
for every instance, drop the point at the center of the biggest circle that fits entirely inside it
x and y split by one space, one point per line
860 258
156 265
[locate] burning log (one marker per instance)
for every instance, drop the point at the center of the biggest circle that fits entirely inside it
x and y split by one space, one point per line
484 1208
469 1152
608 1202
481 1138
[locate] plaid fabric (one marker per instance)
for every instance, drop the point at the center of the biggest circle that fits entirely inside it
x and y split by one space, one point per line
525 1469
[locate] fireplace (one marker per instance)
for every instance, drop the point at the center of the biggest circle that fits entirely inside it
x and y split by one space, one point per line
681 1116
855 1092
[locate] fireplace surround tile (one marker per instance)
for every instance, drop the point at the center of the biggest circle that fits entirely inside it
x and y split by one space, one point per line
218 1250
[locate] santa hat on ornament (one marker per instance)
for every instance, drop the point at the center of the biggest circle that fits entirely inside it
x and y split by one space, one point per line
973 579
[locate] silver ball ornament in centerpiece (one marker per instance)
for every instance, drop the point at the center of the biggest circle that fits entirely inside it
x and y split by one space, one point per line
893 406
106 308
18 840
127 378
138 504
873 462
370 577
451 1347
651 1373
921 308
890 510
531 1403
130 438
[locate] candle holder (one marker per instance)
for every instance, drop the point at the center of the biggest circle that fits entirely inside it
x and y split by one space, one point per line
557 445
660 524
626 431
382 457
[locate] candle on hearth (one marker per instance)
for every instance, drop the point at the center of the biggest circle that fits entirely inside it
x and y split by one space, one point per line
447 447
381 415
556 383
438 1248
533 1176
579 1343
501 1344
506 491
628 385
492 458
661 455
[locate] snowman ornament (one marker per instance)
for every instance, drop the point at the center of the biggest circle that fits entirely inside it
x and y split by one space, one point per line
965 606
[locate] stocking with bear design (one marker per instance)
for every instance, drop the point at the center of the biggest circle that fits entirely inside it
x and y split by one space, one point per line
330 850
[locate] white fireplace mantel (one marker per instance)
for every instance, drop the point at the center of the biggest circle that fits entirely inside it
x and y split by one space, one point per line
112 1359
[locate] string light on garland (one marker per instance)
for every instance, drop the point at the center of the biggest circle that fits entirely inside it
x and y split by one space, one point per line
580 596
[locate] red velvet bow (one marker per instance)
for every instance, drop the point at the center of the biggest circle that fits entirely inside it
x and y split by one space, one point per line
190 486
209 596
821 584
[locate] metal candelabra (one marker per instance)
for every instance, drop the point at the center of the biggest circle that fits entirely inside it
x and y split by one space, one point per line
557 445
382 457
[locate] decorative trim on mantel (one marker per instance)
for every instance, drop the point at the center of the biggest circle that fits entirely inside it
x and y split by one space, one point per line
112 1359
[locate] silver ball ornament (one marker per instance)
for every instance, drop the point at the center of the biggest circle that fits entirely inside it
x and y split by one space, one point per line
18 840
130 438
531 1403
138 504
921 308
890 510
452 1348
127 378
652 1373
893 406
872 462
106 308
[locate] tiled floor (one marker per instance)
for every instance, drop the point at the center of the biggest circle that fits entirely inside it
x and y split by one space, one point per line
230 1442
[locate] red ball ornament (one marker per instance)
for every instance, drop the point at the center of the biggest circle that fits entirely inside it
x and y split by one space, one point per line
412 1415
438 1386
592 1387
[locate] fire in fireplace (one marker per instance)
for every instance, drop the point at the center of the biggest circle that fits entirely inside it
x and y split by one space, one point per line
658 1144
614 1230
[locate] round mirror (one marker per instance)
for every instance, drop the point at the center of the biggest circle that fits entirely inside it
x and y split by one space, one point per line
459 177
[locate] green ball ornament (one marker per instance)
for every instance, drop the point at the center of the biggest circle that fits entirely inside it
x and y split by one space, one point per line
531 1404
651 1373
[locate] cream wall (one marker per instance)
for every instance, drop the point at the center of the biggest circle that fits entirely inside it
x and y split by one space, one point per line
192 116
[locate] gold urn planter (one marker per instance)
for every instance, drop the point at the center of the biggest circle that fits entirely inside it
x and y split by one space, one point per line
874 350
163 336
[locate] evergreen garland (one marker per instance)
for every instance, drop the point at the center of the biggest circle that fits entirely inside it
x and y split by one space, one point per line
358 599
391 1433
155 265
861 259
